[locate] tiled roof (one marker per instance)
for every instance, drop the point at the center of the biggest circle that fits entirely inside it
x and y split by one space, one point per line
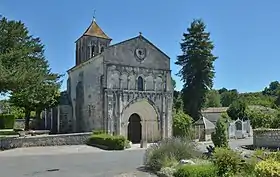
215 110
95 30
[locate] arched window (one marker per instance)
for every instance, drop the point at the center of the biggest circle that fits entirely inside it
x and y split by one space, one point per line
140 83
92 50
102 49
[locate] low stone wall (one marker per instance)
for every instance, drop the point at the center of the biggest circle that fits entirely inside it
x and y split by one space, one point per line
44 140
266 138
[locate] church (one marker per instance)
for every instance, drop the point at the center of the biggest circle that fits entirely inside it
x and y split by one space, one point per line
123 88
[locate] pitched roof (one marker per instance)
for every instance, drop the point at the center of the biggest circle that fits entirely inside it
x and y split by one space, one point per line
95 30
203 121
215 110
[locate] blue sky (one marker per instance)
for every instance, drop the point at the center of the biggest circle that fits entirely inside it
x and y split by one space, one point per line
245 33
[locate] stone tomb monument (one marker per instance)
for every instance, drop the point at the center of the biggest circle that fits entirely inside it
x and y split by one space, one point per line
240 129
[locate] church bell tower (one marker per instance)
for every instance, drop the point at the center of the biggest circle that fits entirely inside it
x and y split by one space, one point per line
91 43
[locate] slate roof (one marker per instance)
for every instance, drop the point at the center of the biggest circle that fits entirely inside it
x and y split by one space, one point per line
208 124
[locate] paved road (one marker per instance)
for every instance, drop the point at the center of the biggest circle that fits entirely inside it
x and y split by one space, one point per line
94 164
78 161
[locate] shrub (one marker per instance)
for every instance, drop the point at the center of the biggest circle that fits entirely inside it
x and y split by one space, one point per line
208 170
268 168
182 124
109 141
97 132
227 161
7 121
219 137
168 152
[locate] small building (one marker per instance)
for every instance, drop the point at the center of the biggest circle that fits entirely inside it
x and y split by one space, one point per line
203 129
240 129
213 114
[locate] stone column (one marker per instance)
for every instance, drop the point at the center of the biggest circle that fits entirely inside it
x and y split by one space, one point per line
110 113
119 118
46 119
58 118
168 117
163 117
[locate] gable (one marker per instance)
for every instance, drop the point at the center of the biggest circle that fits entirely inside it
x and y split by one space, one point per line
124 53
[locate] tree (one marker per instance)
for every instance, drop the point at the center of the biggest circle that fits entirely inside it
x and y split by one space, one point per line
237 110
222 90
219 137
197 70
261 119
17 51
272 89
173 83
213 99
182 124
178 103
25 72
38 97
228 96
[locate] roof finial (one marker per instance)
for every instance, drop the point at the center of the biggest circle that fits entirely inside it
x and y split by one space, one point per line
94 15
140 33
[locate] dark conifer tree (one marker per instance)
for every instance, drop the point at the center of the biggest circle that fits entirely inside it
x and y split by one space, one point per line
197 70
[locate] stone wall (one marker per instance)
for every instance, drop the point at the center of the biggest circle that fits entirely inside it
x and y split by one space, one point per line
44 140
266 138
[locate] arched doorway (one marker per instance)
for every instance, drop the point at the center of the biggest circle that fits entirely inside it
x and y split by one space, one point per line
134 132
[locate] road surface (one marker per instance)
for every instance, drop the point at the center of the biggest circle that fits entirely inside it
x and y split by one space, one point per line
78 161
88 164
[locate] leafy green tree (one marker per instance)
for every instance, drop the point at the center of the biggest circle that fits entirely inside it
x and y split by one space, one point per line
222 90
178 103
228 96
272 89
277 100
213 99
25 72
237 110
37 97
219 137
197 70
182 124
257 98
261 119
17 51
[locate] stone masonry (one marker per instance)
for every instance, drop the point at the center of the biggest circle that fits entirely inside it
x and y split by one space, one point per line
266 138
110 83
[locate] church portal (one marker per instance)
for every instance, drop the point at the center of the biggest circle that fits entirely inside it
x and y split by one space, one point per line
134 128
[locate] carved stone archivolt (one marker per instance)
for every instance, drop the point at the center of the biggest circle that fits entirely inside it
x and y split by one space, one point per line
139 99
125 77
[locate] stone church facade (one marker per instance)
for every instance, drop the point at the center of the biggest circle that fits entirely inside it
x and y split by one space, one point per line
124 88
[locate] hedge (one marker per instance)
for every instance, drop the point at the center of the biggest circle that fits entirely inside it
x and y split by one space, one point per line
7 121
205 170
109 141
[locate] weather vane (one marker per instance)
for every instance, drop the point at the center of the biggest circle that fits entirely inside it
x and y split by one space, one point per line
94 15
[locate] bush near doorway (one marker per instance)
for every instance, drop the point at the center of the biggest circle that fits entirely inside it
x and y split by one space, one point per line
107 142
